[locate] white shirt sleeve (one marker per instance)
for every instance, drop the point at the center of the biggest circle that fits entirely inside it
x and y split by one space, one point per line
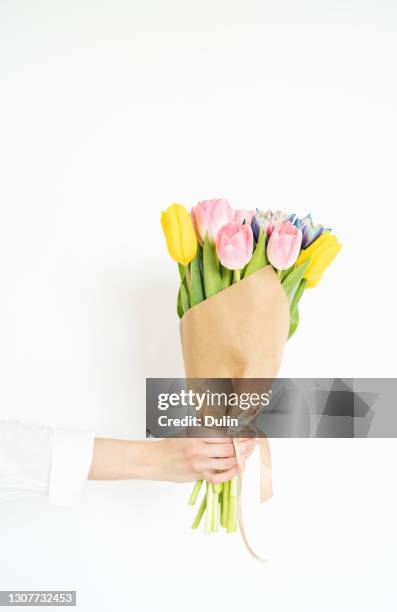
37 460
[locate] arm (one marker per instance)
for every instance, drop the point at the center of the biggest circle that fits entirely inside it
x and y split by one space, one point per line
172 459
56 463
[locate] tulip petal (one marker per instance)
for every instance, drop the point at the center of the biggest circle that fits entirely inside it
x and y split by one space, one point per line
179 233
321 253
284 245
210 216
255 228
234 245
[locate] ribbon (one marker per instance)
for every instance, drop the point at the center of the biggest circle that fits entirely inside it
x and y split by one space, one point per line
265 483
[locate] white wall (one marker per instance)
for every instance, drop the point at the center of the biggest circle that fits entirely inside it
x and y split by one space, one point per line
109 112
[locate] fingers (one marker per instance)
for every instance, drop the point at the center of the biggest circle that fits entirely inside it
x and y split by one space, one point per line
218 470
218 450
218 460
219 465
245 447
219 477
223 440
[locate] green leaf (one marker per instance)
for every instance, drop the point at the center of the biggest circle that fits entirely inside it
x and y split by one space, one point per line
212 275
200 260
294 317
185 303
259 258
227 276
179 307
285 273
298 294
197 288
294 322
291 283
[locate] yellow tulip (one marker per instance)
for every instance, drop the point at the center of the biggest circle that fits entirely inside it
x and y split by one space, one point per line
180 235
321 252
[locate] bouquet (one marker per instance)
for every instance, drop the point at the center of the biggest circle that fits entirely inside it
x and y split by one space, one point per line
242 276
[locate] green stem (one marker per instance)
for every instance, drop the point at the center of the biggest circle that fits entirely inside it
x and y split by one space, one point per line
232 515
215 512
208 516
236 276
200 513
195 492
279 272
225 503
188 280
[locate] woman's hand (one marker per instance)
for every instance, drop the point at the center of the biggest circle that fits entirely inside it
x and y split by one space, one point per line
188 459
172 459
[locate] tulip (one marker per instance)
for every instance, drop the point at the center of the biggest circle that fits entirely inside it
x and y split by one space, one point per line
243 216
284 245
321 252
234 245
209 216
309 231
259 224
278 217
268 220
180 235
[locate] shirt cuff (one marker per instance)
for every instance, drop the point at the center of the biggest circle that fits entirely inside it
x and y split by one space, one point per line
71 459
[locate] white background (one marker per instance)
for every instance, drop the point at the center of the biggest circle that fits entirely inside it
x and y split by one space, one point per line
110 111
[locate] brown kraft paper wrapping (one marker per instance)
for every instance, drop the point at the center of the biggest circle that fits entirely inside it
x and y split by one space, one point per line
239 333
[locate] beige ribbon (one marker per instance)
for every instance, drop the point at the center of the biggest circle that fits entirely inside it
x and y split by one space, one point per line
265 478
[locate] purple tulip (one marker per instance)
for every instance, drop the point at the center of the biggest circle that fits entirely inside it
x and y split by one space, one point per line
259 222
310 232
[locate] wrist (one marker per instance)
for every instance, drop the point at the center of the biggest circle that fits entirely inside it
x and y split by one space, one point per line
144 460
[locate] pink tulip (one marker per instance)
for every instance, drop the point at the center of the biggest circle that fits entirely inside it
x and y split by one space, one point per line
234 245
209 216
284 245
243 216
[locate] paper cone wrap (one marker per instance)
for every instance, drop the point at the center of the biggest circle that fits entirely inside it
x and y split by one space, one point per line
238 333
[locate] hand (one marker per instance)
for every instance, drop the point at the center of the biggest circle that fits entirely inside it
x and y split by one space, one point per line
212 459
